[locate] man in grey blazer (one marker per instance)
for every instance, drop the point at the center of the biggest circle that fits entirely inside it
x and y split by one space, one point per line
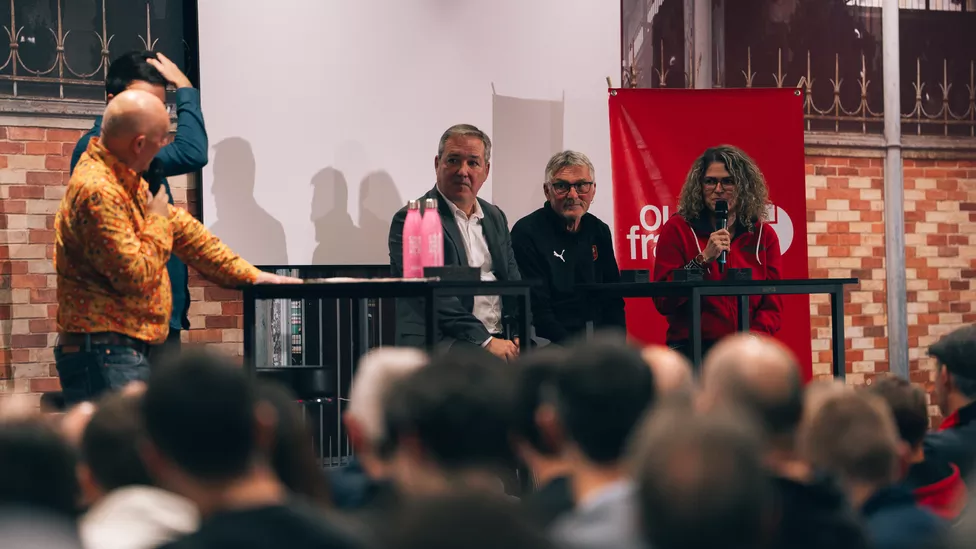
475 234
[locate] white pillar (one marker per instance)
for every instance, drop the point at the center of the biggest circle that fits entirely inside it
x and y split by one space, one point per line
704 75
894 195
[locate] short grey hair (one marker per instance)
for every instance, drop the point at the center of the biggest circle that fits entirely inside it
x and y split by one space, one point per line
465 130
565 159
377 373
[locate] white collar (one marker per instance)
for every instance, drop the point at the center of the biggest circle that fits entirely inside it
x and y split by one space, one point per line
478 213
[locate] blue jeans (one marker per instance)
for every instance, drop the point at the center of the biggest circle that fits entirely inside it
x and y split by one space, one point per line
85 375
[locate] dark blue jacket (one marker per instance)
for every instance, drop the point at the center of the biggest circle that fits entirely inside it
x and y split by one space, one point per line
894 521
186 154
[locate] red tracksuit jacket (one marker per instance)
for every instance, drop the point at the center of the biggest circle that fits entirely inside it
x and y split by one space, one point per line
758 249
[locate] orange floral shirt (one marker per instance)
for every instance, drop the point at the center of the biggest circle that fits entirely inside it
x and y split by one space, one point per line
110 252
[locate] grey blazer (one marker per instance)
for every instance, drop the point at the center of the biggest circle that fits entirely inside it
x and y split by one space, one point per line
455 319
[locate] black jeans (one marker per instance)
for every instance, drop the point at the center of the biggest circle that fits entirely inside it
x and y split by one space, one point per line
88 373
684 347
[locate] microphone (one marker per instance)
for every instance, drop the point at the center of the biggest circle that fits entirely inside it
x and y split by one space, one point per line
722 216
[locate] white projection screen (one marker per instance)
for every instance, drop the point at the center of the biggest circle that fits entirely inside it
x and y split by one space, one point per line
324 115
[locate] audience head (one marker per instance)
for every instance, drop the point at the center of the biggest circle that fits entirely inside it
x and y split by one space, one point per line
673 377
377 373
448 423
293 455
135 127
569 185
39 469
462 163
908 406
535 423
132 71
463 519
702 482
759 376
600 394
853 437
205 427
110 447
955 381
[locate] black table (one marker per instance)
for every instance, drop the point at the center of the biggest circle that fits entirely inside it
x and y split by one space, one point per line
697 289
361 290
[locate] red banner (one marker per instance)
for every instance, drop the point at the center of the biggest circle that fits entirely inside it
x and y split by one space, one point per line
656 135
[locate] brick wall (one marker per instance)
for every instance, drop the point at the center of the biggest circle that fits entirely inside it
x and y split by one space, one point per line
845 229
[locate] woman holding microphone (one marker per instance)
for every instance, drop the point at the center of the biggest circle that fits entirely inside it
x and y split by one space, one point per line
722 178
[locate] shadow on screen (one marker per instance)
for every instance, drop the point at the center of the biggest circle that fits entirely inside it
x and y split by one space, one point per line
242 223
339 239
379 200
525 134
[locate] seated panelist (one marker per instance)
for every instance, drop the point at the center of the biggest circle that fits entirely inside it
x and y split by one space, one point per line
563 245
475 234
692 239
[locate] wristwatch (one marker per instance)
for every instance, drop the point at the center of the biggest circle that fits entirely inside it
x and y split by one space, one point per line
700 260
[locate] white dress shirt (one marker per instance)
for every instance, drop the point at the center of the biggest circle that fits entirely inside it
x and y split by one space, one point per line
487 309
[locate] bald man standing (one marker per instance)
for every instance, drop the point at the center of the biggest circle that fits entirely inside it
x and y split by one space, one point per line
112 242
759 376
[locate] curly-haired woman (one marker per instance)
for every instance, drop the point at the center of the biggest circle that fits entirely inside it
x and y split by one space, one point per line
691 239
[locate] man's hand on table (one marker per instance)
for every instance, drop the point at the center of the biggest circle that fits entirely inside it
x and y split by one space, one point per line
270 278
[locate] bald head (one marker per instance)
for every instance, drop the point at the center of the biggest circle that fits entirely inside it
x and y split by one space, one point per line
672 371
134 127
757 374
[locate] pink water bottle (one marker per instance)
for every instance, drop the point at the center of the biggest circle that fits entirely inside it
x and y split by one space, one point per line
413 242
433 236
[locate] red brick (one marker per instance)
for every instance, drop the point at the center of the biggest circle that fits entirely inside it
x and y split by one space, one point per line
44 295
13 206
232 307
3 162
31 341
44 178
61 163
6 147
43 325
26 191
70 136
29 281
838 161
45 385
215 293
961 307
67 149
205 336
19 356
25 134
3 132
224 322
5 312
38 236
825 170
43 148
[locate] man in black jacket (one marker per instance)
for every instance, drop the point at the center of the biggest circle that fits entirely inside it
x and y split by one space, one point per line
955 392
562 245
475 234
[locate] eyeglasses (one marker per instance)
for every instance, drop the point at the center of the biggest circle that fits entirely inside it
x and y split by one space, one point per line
727 182
563 187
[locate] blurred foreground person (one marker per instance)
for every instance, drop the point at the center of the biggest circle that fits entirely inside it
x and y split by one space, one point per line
597 399
955 392
853 435
366 482
211 441
702 482
673 375
760 377
128 510
934 481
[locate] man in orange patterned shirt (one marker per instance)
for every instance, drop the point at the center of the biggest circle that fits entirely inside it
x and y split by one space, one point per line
113 240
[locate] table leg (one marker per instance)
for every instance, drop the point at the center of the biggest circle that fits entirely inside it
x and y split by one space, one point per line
743 313
525 320
250 326
696 337
362 328
430 318
837 327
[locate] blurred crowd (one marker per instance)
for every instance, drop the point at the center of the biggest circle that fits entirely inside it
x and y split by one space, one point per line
595 444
